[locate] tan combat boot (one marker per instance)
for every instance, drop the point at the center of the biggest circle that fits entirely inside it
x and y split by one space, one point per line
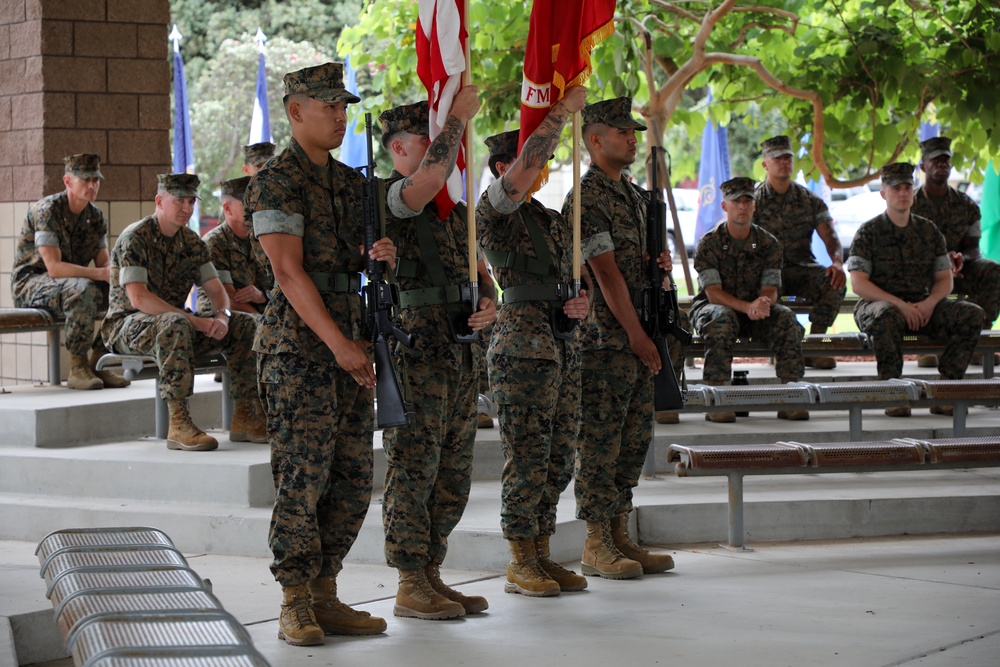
602 558
927 361
81 376
721 417
335 617
820 362
110 379
524 573
417 599
473 604
663 417
248 421
183 434
567 579
297 624
651 563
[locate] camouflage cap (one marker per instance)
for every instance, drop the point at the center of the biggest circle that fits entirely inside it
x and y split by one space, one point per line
257 154
179 185
323 82
935 146
412 118
83 165
504 143
896 173
235 187
738 187
616 113
777 146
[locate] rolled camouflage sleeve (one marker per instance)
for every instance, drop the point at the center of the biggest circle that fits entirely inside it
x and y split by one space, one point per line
133 261
273 205
394 201
46 230
595 226
773 262
861 255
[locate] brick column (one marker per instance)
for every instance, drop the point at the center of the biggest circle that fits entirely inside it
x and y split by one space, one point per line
78 76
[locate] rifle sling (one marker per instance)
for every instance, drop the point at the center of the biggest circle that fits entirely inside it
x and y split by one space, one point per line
540 265
336 282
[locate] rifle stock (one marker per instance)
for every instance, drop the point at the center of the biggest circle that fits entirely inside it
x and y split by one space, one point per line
380 302
659 306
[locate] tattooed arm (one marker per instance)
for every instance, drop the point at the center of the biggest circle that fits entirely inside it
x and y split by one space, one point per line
420 187
538 148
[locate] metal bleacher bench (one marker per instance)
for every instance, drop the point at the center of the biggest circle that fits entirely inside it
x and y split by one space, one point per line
855 397
29 320
125 597
789 458
142 367
853 345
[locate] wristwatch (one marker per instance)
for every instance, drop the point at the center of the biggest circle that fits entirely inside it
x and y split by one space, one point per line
223 311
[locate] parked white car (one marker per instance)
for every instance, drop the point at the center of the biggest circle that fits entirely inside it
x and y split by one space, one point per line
850 214
687 215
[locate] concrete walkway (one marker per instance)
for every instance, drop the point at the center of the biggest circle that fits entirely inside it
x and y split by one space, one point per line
929 601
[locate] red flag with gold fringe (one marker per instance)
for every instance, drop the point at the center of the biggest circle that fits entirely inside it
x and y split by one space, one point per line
561 36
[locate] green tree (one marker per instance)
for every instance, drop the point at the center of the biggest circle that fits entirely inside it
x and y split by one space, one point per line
222 102
856 75
206 24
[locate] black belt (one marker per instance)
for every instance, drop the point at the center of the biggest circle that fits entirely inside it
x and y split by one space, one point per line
430 296
550 292
336 282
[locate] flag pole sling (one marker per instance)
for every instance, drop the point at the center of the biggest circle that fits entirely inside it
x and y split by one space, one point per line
470 186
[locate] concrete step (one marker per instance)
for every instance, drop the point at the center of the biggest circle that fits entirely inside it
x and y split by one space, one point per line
670 511
47 416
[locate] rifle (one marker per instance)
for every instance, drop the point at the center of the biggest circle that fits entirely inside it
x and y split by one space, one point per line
659 306
380 301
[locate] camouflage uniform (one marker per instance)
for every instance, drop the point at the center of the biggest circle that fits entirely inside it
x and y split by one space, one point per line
792 217
79 238
169 266
535 376
429 471
957 217
742 267
233 259
617 425
320 422
903 261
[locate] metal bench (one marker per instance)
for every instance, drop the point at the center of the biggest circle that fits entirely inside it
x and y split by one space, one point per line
214 636
124 597
29 320
143 367
852 345
788 458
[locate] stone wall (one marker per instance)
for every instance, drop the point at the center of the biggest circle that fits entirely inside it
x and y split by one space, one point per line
78 76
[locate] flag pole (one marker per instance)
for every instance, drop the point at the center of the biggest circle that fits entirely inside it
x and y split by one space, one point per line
470 186
577 131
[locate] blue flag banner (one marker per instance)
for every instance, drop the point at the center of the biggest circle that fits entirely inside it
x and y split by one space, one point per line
260 120
183 145
928 130
354 150
712 173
